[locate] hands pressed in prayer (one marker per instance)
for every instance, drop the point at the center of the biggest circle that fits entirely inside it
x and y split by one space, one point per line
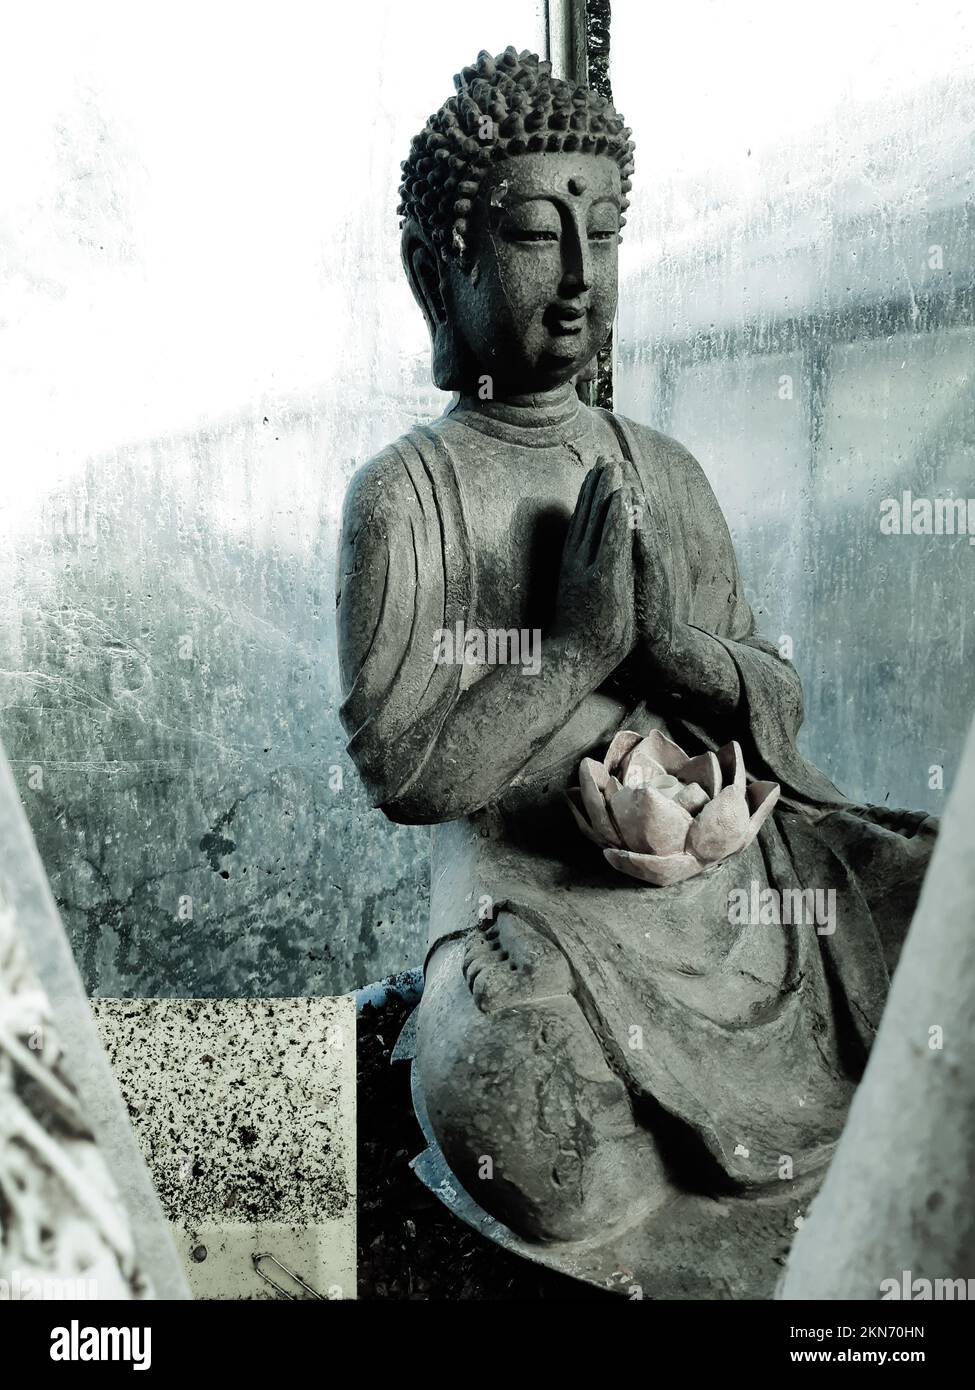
656 631
595 599
614 589
615 597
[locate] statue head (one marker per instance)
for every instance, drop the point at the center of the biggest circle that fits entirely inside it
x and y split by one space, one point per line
513 198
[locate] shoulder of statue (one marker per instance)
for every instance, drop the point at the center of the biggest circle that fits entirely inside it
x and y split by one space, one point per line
660 450
384 486
665 459
687 484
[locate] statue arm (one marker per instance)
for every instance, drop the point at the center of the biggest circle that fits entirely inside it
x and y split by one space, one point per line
698 655
726 666
428 750
495 727
704 676
680 662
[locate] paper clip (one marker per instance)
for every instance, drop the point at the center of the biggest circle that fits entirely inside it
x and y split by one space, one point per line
278 1288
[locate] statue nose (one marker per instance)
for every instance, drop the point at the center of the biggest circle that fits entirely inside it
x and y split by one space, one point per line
575 281
576 263
576 275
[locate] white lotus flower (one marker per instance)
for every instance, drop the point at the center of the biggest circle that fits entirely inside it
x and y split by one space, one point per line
660 816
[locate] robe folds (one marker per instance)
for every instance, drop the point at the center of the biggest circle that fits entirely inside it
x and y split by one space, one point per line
750 1035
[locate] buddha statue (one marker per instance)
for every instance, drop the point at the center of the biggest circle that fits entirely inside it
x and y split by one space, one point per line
603 1040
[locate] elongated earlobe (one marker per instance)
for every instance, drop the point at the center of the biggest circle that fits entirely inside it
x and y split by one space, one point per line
423 271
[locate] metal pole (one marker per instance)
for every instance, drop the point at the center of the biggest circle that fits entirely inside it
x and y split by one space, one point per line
578 33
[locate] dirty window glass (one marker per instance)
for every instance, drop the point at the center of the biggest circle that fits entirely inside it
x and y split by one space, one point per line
796 308
205 330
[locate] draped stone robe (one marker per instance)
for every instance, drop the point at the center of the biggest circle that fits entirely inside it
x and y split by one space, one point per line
751 1037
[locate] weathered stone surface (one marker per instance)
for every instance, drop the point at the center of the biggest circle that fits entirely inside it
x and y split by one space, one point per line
245 1111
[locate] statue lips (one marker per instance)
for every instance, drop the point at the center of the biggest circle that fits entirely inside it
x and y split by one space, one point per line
564 320
565 324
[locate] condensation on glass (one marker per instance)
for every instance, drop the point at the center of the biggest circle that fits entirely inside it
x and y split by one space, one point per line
207 329
796 308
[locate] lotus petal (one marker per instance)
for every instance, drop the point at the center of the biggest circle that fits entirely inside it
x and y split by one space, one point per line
720 828
574 797
649 822
692 798
662 750
644 757
760 798
732 766
671 816
630 814
640 770
661 870
668 786
613 786
705 770
623 742
594 784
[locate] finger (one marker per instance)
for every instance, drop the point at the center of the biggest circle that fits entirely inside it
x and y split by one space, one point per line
642 536
614 541
580 516
649 522
635 496
609 483
645 548
612 572
597 508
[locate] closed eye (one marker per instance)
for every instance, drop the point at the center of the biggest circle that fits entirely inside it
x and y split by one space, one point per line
522 234
603 236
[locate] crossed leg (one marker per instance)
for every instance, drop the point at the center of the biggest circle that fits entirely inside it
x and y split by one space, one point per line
529 1115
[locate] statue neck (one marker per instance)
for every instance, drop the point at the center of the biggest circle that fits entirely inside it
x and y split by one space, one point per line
530 417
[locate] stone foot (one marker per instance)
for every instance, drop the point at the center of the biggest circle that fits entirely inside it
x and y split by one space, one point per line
529 1116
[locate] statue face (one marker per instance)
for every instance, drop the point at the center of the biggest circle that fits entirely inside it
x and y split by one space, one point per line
540 298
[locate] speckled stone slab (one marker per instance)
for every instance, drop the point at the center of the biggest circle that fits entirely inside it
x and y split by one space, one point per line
245 1110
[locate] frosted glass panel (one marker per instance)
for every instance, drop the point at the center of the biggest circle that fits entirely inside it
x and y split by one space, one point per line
796 308
205 330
